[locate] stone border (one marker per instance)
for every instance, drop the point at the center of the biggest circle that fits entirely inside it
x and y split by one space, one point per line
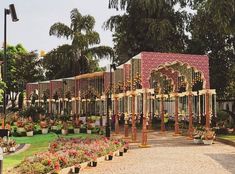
228 142
24 148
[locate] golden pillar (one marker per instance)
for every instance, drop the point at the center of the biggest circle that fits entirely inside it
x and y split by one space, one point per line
117 129
207 107
190 112
144 129
133 118
162 114
176 114
126 133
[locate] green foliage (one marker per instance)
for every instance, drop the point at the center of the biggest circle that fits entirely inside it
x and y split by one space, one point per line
212 30
222 115
2 88
146 25
156 25
22 67
79 57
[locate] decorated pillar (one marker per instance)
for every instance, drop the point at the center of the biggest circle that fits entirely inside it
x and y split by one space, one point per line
117 130
162 114
133 118
126 134
190 112
145 112
207 107
176 114
50 98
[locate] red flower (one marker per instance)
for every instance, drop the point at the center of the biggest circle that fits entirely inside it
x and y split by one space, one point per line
57 166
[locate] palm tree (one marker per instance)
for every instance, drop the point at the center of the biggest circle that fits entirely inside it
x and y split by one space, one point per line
84 38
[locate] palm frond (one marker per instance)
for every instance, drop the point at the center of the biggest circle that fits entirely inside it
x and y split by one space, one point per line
101 52
92 38
79 41
87 23
60 30
112 22
76 18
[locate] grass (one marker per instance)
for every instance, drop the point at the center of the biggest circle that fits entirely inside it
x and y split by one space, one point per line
228 137
38 143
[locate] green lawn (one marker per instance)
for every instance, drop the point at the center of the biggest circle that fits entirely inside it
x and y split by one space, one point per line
228 137
38 143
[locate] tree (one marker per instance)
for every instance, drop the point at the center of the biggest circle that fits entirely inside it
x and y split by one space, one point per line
78 57
212 30
154 25
12 52
147 25
22 67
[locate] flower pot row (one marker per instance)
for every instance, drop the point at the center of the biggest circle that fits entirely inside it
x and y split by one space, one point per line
93 163
46 130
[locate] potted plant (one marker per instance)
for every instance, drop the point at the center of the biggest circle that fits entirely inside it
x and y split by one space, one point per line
110 156
12 145
197 136
64 129
53 122
121 152
76 126
41 112
126 147
208 137
20 126
29 129
89 128
94 162
44 126
77 168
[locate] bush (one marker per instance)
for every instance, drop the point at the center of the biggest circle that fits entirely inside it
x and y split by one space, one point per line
222 118
222 130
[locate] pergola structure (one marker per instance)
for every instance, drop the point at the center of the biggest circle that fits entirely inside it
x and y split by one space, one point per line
148 84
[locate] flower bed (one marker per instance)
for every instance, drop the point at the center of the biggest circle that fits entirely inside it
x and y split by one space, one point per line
66 152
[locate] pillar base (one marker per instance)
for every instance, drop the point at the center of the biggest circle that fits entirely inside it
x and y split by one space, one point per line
144 146
189 138
135 141
126 138
162 132
150 130
126 133
176 134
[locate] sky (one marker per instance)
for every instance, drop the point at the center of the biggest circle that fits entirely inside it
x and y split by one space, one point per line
36 17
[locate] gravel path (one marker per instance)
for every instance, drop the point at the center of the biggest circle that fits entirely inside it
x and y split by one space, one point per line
170 155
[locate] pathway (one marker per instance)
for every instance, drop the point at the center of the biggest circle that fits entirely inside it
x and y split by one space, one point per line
170 155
